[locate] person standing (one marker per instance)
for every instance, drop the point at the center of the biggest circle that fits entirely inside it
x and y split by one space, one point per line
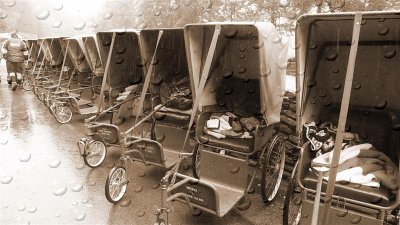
14 56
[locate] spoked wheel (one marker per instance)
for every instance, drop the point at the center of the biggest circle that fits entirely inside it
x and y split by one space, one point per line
27 85
160 222
292 204
95 154
272 170
116 184
196 162
46 99
63 114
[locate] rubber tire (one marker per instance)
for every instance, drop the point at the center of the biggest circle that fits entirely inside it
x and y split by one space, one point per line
102 158
160 222
266 197
27 85
195 158
288 202
69 119
107 188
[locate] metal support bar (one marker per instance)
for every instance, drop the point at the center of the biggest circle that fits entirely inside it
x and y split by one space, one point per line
342 117
106 72
63 64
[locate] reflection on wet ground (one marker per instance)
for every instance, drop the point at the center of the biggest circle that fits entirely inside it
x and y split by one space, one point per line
44 179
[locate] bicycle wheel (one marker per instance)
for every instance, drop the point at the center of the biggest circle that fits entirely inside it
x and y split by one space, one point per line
27 85
63 114
196 162
116 184
96 153
292 205
272 170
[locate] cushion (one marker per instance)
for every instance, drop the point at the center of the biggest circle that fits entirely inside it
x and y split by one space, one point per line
380 196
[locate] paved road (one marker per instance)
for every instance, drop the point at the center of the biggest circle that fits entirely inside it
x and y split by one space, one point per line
44 180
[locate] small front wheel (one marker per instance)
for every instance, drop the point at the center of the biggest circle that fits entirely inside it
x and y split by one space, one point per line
196 161
27 85
272 170
95 154
292 205
63 114
160 222
116 184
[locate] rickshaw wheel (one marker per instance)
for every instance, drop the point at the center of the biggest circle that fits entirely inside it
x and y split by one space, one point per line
292 205
272 170
27 85
116 184
160 222
63 114
96 153
196 161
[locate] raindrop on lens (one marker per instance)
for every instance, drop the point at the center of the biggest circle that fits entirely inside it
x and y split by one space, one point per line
84 201
26 156
108 15
21 208
57 23
32 209
80 26
3 15
6 179
60 191
81 216
55 163
58 6
77 188
6 205
3 140
42 13
10 3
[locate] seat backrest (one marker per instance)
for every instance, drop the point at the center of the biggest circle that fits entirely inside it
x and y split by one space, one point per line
241 96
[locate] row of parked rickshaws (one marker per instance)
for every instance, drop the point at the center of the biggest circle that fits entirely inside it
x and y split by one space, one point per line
211 94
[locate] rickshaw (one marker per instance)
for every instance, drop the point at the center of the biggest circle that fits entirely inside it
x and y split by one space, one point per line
346 80
122 74
27 78
171 106
90 95
50 68
239 71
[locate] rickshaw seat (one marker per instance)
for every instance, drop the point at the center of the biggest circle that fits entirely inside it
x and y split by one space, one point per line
380 196
173 117
243 145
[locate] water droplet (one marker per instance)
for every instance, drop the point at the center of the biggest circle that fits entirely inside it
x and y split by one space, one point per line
142 174
6 205
10 3
93 24
42 13
32 209
79 25
155 186
138 188
235 170
141 213
81 216
3 15
80 166
57 23
92 183
142 25
60 191
54 164
125 202
4 127
85 200
157 13
21 208
108 15
3 140
77 188
58 6
25 157
75 203
6 179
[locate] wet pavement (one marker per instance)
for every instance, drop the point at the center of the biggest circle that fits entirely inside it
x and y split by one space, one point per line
45 181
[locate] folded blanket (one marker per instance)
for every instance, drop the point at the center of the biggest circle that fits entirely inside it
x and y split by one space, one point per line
228 126
362 164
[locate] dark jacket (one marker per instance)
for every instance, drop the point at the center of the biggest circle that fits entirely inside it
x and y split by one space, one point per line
15 50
